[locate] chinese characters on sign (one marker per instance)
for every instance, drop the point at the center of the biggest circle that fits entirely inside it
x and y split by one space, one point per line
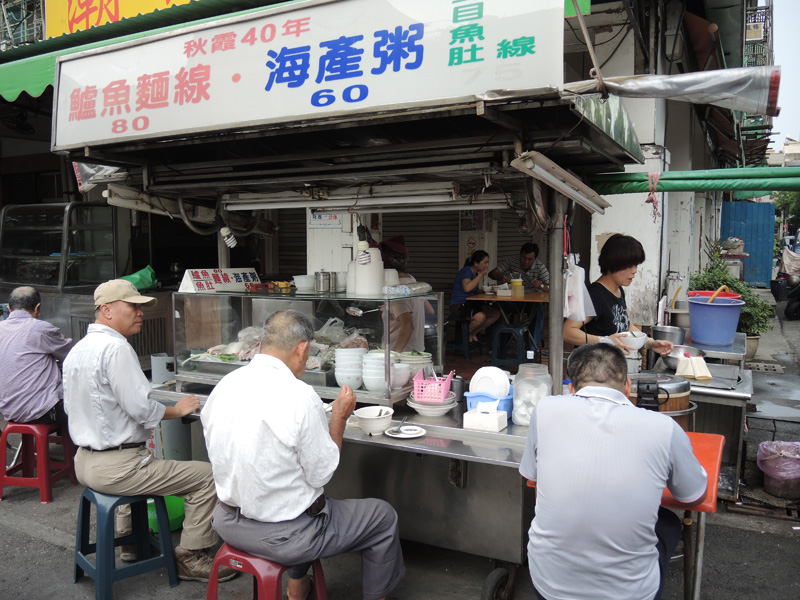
68 16
280 65
219 280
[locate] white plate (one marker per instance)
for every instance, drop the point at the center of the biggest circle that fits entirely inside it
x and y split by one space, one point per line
406 432
429 410
490 380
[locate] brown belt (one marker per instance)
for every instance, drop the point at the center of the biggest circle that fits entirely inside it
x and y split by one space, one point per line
311 511
120 447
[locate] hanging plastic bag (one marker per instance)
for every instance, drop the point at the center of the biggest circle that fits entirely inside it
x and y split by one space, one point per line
577 302
332 331
144 280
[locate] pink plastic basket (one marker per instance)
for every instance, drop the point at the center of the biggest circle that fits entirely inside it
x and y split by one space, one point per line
431 390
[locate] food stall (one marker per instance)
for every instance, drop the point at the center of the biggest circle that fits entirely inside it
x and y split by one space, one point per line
348 108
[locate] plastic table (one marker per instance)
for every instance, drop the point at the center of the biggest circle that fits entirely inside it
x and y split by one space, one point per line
707 447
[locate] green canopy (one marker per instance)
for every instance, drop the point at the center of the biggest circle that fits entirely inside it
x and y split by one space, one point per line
751 180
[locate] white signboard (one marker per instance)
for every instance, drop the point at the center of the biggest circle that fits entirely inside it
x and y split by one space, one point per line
325 221
219 280
307 60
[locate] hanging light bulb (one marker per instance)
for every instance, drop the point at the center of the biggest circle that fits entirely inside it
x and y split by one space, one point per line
228 237
362 255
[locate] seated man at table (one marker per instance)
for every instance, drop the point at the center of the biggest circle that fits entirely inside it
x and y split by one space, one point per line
601 465
30 349
535 278
272 451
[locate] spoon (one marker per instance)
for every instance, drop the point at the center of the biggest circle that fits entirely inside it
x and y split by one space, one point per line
399 427
357 312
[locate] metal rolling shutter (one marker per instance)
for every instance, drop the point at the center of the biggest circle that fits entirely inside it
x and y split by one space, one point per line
292 247
509 240
432 244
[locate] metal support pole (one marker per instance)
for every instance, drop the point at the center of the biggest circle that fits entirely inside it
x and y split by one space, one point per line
223 253
555 261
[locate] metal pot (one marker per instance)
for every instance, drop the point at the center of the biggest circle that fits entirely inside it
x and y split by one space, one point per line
322 281
669 333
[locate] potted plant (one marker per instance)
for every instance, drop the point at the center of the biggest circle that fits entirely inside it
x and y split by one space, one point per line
756 316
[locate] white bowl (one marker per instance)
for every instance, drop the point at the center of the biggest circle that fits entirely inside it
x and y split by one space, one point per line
353 351
353 380
400 375
427 410
374 371
374 420
353 371
304 282
374 384
347 364
634 339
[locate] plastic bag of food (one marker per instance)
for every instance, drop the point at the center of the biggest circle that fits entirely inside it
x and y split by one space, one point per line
333 331
780 460
354 340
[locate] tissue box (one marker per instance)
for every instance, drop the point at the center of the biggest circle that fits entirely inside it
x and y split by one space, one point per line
506 402
506 293
485 421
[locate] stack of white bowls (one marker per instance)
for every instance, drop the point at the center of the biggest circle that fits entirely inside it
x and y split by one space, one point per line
347 368
417 360
374 370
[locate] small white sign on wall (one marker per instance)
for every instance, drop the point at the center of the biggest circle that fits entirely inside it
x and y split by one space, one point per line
325 221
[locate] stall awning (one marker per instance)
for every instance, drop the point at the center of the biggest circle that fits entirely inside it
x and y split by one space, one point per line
31 68
755 180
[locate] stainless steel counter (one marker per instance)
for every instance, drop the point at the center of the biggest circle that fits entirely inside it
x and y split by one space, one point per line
444 435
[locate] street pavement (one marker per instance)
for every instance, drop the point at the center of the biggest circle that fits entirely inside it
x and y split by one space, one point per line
745 556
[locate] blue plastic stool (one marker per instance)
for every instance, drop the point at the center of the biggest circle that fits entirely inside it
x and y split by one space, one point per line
461 341
500 342
104 572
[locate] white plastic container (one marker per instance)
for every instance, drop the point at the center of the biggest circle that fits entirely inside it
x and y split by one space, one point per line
369 277
531 384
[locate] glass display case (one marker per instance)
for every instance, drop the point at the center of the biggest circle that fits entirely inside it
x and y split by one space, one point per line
57 245
216 333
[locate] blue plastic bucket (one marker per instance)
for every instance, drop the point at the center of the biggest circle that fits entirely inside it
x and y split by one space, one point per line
714 324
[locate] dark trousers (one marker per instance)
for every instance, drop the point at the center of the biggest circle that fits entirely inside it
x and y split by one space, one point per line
54 415
668 532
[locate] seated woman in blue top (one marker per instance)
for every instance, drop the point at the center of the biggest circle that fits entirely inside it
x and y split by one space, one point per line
480 316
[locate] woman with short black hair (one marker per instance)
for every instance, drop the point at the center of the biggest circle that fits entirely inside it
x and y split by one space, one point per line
619 260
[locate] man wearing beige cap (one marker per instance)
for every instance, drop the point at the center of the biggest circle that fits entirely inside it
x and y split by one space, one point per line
110 418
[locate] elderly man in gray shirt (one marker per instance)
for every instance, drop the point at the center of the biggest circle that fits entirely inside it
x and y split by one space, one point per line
30 381
601 465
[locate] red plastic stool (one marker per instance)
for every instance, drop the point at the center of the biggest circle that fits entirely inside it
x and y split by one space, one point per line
36 456
267 582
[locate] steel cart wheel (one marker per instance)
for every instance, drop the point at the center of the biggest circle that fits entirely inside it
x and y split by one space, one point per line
499 584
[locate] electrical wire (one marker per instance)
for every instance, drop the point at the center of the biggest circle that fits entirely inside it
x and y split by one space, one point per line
609 40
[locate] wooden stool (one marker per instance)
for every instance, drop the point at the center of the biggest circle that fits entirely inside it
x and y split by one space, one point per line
104 572
36 457
267 582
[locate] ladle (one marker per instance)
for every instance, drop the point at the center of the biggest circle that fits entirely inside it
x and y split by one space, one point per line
357 312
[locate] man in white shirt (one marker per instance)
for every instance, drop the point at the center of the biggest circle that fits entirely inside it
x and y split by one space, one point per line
601 465
106 396
272 451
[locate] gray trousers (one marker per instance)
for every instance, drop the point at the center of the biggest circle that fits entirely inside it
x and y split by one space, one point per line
368 526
